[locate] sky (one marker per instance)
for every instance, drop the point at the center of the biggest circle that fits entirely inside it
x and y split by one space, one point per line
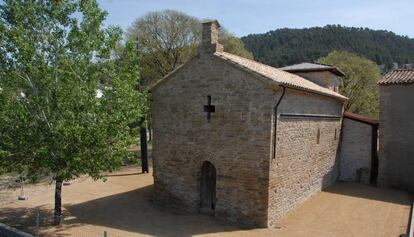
243 17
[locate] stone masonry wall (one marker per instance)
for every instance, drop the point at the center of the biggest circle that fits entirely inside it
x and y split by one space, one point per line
396 131
236 141
303 166
355 151
324 78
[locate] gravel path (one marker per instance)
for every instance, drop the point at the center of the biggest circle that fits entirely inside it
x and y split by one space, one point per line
122 206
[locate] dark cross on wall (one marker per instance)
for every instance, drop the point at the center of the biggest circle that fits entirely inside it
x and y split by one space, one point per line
209 108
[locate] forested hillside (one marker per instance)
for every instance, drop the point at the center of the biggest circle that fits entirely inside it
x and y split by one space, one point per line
288 46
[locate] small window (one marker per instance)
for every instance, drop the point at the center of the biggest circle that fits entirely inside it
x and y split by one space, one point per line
318 136
335 134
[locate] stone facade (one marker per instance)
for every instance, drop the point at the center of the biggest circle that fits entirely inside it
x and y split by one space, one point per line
396 163
323 78
252 186
236 141
303 165
355 152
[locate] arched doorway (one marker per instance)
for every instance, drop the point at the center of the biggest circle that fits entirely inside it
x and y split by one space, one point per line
208 187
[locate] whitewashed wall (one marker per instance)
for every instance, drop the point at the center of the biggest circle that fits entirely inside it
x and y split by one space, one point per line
355 151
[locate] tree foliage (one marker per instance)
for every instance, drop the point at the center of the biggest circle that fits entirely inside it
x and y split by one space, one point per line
55 56
165 39
168 38
284 47
233 45
359 83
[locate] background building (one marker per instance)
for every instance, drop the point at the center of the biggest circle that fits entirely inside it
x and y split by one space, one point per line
396 160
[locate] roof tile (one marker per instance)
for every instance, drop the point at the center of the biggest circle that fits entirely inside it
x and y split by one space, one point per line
278 76
399 76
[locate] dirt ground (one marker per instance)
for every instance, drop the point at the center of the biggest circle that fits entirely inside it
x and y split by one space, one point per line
122 207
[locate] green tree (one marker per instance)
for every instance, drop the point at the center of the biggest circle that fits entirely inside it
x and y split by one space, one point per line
233 45
360 82
66 97
168 38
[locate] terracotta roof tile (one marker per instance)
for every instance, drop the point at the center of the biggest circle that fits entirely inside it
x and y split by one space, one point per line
280 77
399 76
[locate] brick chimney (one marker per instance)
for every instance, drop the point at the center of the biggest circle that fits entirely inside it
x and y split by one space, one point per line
210 37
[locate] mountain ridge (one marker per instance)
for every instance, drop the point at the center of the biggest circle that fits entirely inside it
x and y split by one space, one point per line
288 46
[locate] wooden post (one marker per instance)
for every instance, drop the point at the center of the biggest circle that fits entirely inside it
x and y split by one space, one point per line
143 143
374 155
143 134
58 201
37 222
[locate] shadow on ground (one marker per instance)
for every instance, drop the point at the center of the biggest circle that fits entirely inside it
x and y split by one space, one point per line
133 211
25 219
120 175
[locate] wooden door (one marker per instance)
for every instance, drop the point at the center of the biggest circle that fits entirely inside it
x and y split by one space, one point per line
208 186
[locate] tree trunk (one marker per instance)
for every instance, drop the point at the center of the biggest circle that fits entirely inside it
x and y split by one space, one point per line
58 202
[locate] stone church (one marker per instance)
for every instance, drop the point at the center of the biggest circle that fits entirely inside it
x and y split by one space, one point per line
241 140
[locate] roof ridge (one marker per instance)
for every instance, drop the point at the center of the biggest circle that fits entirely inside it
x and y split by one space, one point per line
321 64
250 60
324 64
